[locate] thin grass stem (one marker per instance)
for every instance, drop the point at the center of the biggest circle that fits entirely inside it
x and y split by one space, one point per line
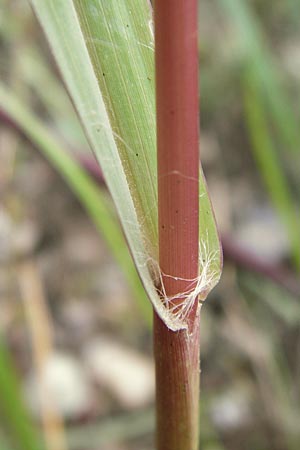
177 353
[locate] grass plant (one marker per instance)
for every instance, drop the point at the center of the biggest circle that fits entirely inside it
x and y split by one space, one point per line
105 52
110 76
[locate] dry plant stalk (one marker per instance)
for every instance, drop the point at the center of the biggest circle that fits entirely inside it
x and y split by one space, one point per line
41 333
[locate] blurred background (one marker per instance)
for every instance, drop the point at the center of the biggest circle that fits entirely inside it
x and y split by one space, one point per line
76 369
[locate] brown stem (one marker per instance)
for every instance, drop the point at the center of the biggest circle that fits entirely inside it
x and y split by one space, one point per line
177 353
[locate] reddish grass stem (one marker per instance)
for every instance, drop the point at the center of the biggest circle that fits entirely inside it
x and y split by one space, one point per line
177 353
232 250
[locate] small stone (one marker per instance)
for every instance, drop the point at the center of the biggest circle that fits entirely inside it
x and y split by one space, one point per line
16 239
64 383
231 410
25 238
126 374
261 231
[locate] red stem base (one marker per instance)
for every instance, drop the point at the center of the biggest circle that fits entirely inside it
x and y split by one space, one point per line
177 357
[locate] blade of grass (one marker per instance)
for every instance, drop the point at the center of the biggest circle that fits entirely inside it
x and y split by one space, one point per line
94 200
269 165
21 431
63 29
269 84
4 444
105 52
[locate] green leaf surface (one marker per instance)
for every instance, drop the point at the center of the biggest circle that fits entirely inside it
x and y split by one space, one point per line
105 53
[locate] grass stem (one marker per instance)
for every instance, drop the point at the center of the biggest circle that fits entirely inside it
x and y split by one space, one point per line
177 353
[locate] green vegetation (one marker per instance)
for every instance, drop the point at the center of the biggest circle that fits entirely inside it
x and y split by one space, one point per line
249 103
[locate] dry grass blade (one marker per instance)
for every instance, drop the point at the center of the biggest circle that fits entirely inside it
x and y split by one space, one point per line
39 325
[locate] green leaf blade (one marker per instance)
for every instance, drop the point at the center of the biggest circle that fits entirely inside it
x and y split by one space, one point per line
105 53
114 36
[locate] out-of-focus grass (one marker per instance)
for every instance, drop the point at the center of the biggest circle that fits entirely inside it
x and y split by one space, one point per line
95 200
258 58
20 431
276 374
268 163
267 103
271 122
